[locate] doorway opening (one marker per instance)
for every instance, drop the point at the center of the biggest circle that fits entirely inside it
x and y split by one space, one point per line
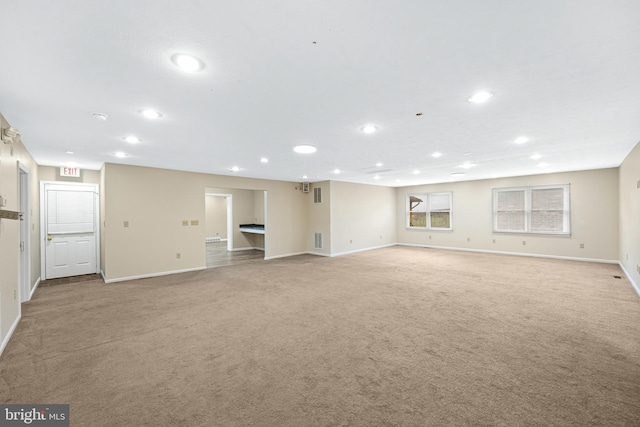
227 241
69 218
25 233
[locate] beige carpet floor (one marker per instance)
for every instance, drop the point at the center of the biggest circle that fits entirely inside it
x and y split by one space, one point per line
394 337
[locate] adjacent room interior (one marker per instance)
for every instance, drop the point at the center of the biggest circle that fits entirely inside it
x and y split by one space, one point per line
321 214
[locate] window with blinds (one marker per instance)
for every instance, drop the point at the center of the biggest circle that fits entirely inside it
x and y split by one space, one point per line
536 209
429 211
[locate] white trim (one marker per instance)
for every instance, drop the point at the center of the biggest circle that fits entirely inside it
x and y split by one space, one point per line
146 276
10 332
363 250
318 254
24 198
248 248
568 258
633 284
33 291
286 255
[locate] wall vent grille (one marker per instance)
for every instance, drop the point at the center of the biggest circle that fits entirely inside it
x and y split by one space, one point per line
317 244
317 195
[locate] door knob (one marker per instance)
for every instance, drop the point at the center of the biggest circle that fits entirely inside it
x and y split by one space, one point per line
49 237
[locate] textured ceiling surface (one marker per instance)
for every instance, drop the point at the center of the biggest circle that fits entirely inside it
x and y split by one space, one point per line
565 74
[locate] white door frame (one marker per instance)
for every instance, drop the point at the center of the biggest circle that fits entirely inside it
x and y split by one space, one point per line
25 232
43 221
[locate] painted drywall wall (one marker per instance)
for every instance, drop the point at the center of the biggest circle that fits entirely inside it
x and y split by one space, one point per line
319 218
629 186
216 216
362 217
10 156
156 201
594 217
258 207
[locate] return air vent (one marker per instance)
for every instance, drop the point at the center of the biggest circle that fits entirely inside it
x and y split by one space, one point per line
317 244
317 195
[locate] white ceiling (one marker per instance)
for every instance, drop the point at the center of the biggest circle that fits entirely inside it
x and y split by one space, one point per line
280 73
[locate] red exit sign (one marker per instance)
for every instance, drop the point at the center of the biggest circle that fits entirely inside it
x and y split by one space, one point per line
65 171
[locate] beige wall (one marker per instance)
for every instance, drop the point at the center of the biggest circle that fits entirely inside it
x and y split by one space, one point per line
594 217
629 186
216 216
156 201
362 216
10 155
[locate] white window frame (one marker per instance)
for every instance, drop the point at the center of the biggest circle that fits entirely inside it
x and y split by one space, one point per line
427 199
528 191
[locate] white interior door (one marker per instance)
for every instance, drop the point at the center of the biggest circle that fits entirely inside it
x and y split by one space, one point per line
70 230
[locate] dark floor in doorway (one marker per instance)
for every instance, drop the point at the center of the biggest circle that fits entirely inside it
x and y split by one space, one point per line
72 279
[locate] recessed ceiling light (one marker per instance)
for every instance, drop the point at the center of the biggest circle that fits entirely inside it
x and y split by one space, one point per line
336 171
69 152
264 160
416 172
376 177
120 154
480 97
304 177
305 149
100 116
458 174
521 140
131 139
151 114
436 154
379 164
369 129
536 156
235 169
468 153
466 165
187 62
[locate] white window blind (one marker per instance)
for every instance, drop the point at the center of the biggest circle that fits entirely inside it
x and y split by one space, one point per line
538 209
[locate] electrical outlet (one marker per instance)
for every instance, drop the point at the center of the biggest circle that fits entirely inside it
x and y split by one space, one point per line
581 245
125 224
195 222
350 241
177 255
429 237
185 223
524 242
381 237
494 240
468 239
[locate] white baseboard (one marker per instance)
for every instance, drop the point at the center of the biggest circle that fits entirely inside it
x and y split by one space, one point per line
248 248
146 276
633 284
372 248
33 291
568 258
286 255
10 332
318 253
